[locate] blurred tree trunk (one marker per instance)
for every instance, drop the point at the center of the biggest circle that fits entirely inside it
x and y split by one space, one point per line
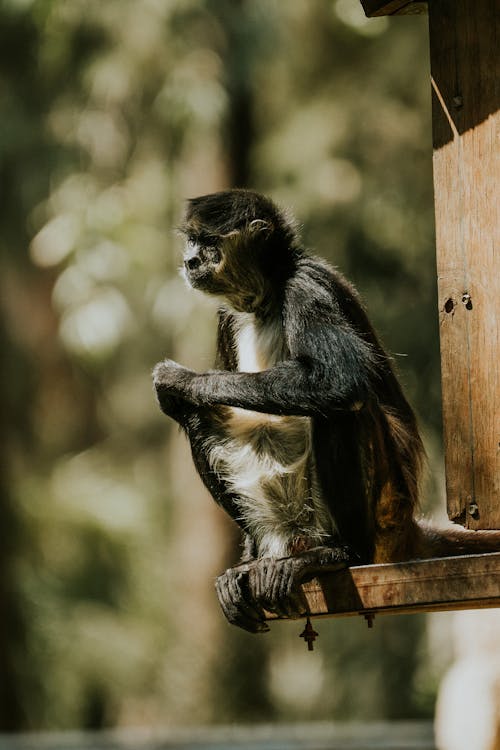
241 46
33 366
12 625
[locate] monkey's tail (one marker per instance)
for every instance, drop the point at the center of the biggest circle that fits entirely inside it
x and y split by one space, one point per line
433 541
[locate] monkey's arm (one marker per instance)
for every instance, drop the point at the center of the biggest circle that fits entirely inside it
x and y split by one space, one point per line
333 369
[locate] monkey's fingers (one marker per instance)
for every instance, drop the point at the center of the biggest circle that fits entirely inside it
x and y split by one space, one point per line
276 584
171 376
162 371
236 604
320 560
286 591
273 586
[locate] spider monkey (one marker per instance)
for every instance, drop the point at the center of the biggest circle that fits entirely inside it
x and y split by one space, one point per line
302 433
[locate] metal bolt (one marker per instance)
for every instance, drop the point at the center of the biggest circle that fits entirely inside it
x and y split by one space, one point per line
309 635
369 617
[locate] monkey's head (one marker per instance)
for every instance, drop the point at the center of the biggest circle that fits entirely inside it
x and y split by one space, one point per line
240 246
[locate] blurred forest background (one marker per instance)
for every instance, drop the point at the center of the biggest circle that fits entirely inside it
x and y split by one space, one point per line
112 113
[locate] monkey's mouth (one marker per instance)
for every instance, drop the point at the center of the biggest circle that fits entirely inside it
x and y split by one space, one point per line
202 280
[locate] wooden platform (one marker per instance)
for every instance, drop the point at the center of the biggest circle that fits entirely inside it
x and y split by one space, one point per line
466 582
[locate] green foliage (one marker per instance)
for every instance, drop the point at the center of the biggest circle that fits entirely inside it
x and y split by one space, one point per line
112 114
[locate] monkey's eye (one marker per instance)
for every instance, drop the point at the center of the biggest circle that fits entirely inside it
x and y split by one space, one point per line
191 243
213 254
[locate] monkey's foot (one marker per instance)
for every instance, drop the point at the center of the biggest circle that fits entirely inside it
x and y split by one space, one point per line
248 591
236 601
275 584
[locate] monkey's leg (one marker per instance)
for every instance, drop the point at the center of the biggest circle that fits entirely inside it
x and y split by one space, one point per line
275 583
204 427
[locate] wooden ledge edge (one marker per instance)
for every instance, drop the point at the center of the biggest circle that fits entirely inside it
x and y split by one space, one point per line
462 582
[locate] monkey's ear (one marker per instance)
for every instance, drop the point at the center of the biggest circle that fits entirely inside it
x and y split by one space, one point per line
260 226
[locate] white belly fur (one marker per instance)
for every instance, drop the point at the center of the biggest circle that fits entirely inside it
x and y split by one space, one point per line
267 459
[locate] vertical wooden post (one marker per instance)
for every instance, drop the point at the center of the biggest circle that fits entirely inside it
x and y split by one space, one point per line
465 39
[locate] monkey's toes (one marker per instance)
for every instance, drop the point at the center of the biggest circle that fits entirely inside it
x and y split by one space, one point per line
237 603
275 584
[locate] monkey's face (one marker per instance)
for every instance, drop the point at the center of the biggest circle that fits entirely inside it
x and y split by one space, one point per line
227 266
202 263
238 247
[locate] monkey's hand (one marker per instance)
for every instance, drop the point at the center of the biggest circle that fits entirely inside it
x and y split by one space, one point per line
171 381
248 591
237 602
276 583
171 376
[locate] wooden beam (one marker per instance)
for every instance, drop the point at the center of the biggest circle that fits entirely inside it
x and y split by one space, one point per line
466 582
466 130
393 7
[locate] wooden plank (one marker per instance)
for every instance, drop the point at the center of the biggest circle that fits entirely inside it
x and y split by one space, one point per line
465 582
466 129
393 7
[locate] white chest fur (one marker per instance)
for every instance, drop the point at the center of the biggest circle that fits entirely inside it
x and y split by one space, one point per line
259 346
267 459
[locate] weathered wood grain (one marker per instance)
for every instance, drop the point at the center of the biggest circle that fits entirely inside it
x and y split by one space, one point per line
466 131
466 582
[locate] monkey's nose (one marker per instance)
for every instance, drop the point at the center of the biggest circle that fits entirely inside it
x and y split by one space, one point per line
192 263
